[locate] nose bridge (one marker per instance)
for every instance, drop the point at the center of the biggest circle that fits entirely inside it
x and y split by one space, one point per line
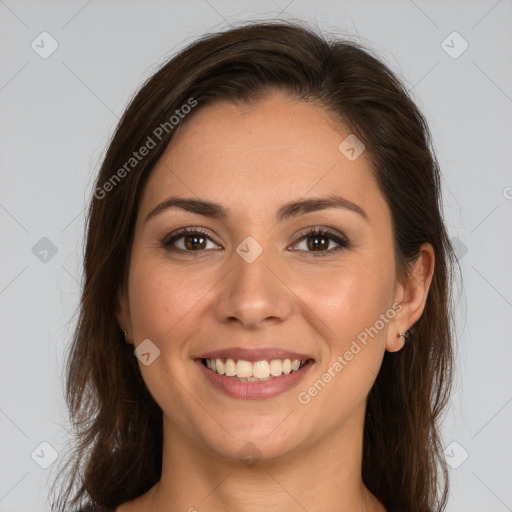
252 292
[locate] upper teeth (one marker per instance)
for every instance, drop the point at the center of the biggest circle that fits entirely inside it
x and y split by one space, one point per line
258 369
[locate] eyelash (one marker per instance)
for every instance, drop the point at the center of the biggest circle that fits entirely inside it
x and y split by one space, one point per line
316 232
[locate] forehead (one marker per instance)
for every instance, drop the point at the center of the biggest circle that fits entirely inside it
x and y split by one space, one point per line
253 156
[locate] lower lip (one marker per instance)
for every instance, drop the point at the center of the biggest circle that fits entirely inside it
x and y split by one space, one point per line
254 390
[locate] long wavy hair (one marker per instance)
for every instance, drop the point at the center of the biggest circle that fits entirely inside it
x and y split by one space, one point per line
117 426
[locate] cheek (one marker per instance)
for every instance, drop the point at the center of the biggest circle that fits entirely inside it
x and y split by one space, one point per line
347 307
162 298
347 300
164 305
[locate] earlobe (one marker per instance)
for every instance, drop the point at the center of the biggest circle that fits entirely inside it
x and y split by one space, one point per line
395 342
412 295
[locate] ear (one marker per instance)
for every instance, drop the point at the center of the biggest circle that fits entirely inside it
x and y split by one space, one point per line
123 315
411 294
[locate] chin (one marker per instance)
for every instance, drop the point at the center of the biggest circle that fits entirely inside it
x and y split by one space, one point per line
256 442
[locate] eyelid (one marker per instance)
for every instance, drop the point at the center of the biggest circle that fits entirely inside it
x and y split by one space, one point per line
320 231
189 230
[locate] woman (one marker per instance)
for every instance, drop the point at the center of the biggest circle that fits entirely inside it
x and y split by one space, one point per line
265 317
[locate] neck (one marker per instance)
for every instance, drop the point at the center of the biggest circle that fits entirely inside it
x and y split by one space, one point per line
325 474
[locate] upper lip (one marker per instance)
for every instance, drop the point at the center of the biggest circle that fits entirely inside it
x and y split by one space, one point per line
254 354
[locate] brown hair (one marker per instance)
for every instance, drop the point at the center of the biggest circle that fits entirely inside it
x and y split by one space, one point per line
117 423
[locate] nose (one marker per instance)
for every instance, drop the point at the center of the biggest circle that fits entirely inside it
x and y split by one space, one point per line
254 294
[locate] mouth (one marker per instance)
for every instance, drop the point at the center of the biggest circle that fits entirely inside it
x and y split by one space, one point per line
253 371
254 377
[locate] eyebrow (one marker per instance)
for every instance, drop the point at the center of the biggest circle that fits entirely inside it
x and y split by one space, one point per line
286 211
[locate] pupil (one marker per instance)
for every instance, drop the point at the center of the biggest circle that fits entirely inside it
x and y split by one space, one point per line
194 243
321 246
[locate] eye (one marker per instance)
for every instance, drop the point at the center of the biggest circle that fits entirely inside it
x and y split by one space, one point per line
317 241
191 240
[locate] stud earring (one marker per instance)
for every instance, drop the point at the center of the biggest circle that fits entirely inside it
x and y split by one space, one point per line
405 335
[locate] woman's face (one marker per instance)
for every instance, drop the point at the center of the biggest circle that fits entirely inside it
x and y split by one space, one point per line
253 279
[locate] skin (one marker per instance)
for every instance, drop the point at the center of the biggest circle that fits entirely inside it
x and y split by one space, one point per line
252 159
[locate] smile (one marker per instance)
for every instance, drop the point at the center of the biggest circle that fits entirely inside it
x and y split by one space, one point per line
253 380
247 371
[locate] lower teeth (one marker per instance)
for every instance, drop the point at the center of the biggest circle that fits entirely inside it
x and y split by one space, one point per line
253 379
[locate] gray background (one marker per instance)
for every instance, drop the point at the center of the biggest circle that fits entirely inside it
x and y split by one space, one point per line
57 115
